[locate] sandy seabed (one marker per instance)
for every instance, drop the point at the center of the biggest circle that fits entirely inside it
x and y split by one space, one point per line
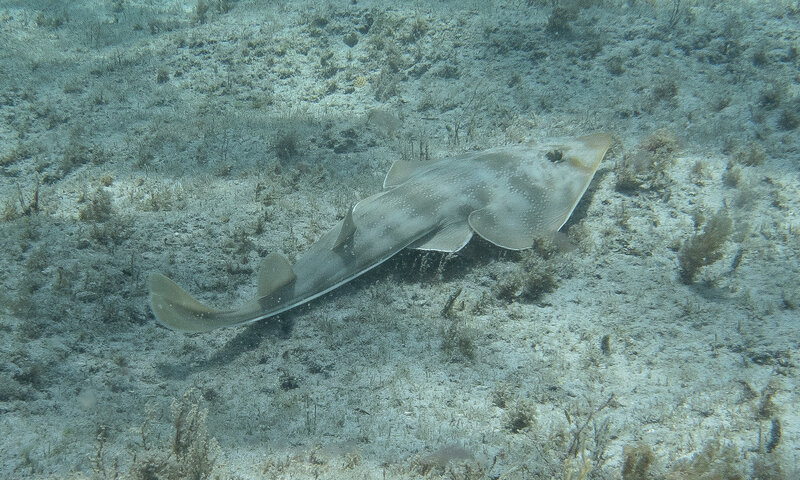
655 337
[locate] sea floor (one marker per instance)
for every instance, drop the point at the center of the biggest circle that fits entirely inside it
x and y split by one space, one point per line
656 336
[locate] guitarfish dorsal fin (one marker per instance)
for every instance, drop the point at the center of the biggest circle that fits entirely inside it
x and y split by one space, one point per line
347 230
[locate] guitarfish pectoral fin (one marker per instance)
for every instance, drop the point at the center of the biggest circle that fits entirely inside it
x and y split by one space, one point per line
526 209
450 238
275 272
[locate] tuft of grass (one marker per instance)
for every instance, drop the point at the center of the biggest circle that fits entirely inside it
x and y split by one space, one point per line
162 76
732 176
97 208
27 208
457 343
772 97
520 416
193 452
637 462
436 462
646 167
767 466
558 23
200 11
789 119
52 19
615 65
705 248
17 154
530 283
75 155
666 90
715 461
752 156
286 145
351 39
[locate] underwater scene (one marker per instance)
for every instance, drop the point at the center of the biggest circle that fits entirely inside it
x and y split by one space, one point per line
430 239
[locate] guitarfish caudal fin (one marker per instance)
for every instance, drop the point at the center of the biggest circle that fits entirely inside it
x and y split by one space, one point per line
175 308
